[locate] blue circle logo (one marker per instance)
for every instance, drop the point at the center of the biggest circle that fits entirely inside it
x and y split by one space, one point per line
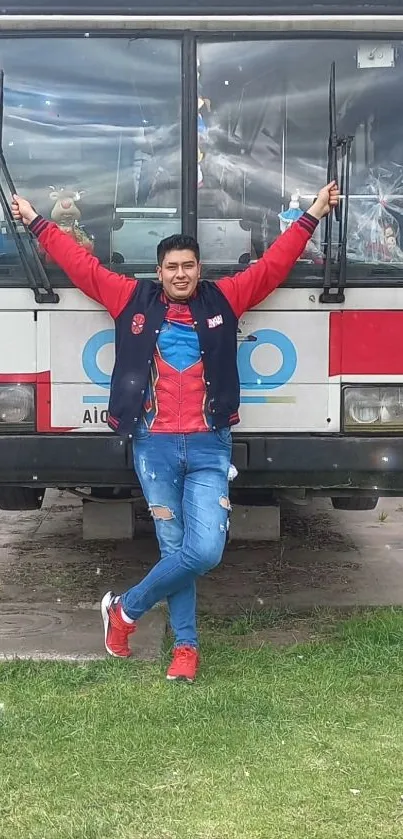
250 378
90 357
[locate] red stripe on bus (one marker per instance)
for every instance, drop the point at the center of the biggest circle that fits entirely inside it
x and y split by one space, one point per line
18 378
43 397
366 343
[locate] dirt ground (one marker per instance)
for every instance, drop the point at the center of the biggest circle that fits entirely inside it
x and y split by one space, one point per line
324 558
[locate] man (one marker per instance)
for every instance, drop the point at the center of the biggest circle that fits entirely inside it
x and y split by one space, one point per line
175 389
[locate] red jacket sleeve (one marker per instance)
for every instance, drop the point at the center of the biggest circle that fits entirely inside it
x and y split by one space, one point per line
84 270
250 287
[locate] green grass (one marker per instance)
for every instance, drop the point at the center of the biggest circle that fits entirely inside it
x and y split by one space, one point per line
267 745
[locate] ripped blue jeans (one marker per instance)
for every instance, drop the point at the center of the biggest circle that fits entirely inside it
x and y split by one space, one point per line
184 478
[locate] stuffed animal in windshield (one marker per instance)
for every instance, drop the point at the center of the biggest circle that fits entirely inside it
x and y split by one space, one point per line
67 215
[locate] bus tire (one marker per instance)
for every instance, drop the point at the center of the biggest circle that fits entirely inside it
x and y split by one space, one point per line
21 498
355 502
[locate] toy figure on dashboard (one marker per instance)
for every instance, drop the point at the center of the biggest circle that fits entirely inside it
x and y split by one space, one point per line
312 252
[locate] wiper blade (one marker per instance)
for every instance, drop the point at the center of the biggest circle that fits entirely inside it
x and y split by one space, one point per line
25 245
27 252
327 295
333 138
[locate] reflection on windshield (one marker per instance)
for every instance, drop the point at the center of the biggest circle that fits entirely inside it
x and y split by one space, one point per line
263 144
92 137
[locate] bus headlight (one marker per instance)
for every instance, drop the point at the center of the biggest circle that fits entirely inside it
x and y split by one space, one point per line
374 409
17 405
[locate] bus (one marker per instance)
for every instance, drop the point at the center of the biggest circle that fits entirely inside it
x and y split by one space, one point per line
125 123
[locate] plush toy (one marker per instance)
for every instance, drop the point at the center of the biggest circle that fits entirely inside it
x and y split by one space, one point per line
385 247
67 215
390 242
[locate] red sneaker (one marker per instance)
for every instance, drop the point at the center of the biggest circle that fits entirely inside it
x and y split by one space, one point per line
184 664
117 630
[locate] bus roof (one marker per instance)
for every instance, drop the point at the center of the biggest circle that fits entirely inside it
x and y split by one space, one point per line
200 7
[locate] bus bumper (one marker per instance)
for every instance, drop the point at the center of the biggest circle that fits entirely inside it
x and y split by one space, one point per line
263 460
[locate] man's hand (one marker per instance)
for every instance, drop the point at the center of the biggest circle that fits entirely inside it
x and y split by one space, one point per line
327 199
22 210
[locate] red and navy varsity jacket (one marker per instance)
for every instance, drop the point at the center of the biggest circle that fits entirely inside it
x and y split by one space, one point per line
139 310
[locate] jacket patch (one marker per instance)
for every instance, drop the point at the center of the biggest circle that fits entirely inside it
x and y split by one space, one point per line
215 321
138 322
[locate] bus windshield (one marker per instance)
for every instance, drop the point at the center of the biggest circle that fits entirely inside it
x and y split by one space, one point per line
93 136
263 141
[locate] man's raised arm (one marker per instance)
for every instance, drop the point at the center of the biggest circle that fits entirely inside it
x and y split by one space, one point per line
83 269
248 288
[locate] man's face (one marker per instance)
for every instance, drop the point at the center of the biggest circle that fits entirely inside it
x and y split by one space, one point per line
179 274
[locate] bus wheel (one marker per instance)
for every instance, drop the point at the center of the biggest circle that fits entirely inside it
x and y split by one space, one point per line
355 502
21 498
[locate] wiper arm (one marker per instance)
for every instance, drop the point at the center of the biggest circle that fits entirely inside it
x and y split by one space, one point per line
32 265
25 245
331 293
346 143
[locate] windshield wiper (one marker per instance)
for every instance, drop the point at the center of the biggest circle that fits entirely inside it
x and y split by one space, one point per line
346 143
334 293
26 247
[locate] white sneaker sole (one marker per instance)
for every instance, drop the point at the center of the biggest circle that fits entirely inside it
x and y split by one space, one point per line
105 605
180 679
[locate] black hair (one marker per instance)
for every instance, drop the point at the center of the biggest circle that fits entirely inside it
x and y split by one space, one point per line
178 242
